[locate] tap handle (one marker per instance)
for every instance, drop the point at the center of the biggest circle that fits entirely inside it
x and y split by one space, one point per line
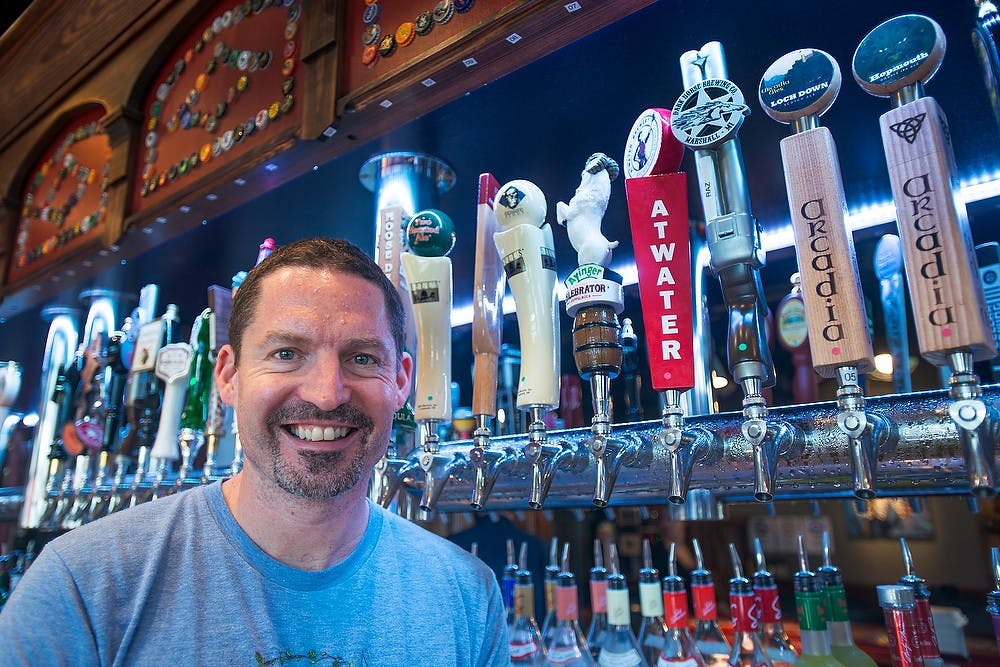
831 284
487 303
896 58
658 217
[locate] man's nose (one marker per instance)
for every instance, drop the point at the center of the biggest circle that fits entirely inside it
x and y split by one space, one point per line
324 384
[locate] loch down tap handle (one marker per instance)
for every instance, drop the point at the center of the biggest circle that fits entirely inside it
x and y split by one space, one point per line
797 89
894 60
487 302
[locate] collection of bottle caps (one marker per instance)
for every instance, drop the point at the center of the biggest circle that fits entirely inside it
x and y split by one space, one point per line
666 637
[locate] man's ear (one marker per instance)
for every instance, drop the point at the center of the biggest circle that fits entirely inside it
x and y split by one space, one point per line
403 378
225 374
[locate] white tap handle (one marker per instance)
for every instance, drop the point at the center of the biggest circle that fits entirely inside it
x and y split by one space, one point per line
430 284
173 367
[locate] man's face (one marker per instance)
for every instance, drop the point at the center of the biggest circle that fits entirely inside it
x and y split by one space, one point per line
317 382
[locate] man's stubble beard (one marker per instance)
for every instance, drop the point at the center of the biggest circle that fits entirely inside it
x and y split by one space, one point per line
316 474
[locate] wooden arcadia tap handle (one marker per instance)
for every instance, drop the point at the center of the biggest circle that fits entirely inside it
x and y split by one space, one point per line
948 304
487 304
798 88
831 286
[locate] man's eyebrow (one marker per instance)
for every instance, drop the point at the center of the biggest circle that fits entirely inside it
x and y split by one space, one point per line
284 338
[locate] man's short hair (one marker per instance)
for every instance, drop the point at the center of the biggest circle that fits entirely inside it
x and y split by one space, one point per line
323 254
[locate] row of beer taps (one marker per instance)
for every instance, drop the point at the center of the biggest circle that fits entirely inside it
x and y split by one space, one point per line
952 329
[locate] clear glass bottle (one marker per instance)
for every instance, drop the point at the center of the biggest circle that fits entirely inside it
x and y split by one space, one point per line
551 573
772 628
620 647
507 583
922 599
567 646
747 650
707 634
810 603
838 623
679 648
899 608
993 598
653 629
598 629
525 639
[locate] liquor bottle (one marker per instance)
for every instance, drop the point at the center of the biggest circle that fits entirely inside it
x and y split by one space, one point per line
620 647
195 411
551 573
707 633
773 636
810 604
899 608
748 649
653 629
838 623
679 648
567 646
507 583
922 600
5 567
993 598
525 639
598 629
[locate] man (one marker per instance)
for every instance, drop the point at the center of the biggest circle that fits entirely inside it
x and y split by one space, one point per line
287 563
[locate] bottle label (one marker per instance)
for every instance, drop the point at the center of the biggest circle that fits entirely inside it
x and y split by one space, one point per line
550 596
836 608
520 650
146 346
566 603
676 662
770 605
524 601
745 612
651 599
599 596
675 609
925 630
904 645
810 610
564 655
705 608
630 658
618 607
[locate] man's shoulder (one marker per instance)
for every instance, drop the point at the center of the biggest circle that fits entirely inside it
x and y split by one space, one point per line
422 544
132 528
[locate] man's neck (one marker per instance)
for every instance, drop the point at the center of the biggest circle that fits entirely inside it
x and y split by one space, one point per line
301 533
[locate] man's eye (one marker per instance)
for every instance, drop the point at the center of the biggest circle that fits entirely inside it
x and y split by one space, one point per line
284 355
363 359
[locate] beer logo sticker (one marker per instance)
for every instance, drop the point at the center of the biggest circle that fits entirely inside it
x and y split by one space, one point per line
909 128
511 197
895 50
798 80
708 113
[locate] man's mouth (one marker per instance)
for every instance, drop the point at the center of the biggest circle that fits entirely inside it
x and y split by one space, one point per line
318 433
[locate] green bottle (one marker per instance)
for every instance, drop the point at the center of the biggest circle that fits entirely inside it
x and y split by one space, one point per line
810 603
838 622
195 412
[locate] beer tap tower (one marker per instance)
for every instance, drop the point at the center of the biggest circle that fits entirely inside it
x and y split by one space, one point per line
797 89
706 118
487 325
895 60
594 299
527 252
431 236
658 214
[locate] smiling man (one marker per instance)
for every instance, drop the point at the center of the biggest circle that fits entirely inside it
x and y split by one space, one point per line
288 562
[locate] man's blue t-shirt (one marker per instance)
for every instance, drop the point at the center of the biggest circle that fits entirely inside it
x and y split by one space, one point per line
178 582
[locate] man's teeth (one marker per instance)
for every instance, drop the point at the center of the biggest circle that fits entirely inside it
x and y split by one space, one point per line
317 433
